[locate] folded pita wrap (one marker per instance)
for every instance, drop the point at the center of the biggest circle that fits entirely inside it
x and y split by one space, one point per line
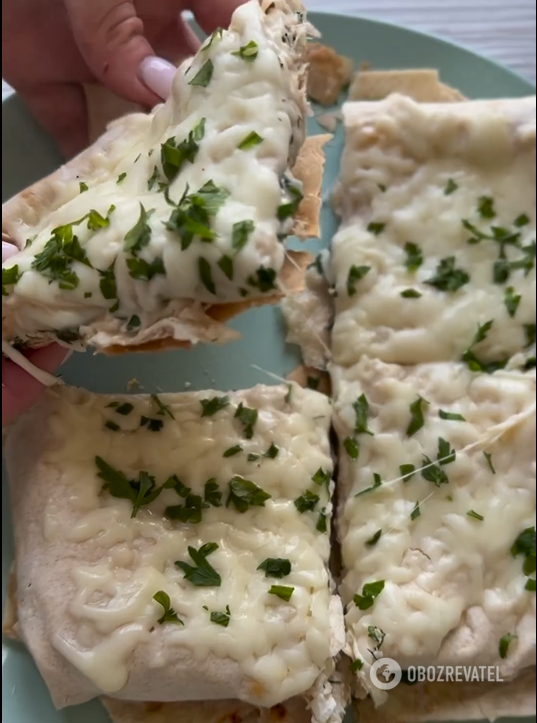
173 221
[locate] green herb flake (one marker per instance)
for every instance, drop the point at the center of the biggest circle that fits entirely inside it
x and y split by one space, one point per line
377 635
227 267
451 188
125 409
377 482
153 425
217 35
272 452
417 420
411 294
248 418
375 539
531 586
112 426
121 178
191 512
264 279
222 619
313 383
83 187
276 568
241 234
475 516
307 502
284 593
206 275
361 410
414 256
531 334
107 283
164 410
204 76
522 221
486 208
446 454
505 644
153 179
212 494
357 665
210 407
376 228
174 483
512 301
488 457
294 190
202 573
244 494
174 154
526 546
253 457
370 593
134 323
451 416
432 472
322 522
232 451
252 140
140 234
448 277
416 512
10 277
248 52
169 616
356 274
322 477
140 492
407 471
352 447
142 270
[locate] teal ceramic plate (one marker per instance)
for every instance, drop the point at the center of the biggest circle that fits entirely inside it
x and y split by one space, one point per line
27 155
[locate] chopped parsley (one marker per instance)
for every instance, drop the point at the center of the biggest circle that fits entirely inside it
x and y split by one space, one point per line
107 283
272 452
486 208
174 155
248 52
475 516
531 586
361 410
411 294
512 301
432 472
169 615
505 644
204 76
451 188
242 231
307 502
313 383
153 179
153 425
294 190
407 472
10 277
192 216
356 274
140 492
244 494
352 447
451 416
377 635
191 512
140 234
142 270
370 593
322 477
232 451
125 409
163 409
83 187
376 228
121 178
202 574
522 220
446 454
448 277
217 35
248 418
276 568
210 407
134 323
322 522
174 483
526 546
357 665
488 457
206 275
252 140
253 457
212 495
222 619
531 334
377 482
414 256
112 426
375 539
471 359
264 279
417 420
416 512
284 593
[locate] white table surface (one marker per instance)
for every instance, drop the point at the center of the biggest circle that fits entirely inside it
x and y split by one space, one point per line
501 29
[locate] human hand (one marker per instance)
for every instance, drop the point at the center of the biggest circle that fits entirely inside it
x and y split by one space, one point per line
20 391
52 48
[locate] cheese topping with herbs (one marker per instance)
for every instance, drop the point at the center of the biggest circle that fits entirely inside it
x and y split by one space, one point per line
177 546
438 514
439 232
191 205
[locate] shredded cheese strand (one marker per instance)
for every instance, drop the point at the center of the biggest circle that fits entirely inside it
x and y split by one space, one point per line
43 377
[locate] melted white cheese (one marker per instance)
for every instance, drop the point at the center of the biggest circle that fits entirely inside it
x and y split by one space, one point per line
414 152
98 569
243 97
453 588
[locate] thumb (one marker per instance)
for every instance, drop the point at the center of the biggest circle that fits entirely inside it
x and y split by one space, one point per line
110 36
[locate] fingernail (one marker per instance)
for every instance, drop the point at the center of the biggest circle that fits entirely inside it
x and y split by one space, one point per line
157 74
8 250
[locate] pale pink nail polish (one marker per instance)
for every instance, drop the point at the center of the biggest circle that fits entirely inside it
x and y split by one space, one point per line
157 74
8 250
